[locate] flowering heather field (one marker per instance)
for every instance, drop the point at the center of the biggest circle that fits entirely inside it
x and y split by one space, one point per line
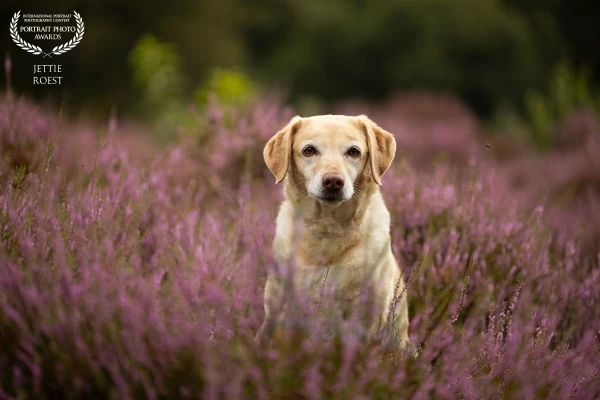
130 272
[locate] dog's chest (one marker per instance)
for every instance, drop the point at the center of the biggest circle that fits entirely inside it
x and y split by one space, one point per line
334 281
335 263
329 254
335 247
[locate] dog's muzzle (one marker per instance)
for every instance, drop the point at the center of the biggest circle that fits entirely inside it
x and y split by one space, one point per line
332 186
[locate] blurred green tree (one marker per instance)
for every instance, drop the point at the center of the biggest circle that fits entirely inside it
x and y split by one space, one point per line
231 87
483 50
569 90
487 51
157 74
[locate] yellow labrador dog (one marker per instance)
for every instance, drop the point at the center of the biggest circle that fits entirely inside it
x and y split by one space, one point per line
333 227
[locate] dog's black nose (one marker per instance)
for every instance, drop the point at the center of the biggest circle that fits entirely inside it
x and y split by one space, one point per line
333 181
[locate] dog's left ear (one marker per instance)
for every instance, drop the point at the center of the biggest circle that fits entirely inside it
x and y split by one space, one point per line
382 147
278 151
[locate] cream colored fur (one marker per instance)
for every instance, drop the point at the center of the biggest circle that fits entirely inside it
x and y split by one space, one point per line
348 239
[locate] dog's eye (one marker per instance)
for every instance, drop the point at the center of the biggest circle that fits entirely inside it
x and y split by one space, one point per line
309 151
354 152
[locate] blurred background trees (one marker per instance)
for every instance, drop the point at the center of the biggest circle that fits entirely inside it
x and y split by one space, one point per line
153 59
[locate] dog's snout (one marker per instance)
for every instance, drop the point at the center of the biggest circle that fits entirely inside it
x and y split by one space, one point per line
333 181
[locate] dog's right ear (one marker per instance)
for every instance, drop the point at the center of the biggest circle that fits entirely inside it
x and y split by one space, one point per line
278 150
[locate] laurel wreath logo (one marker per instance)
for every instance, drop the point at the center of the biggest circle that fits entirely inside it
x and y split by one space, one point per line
33 49
63 48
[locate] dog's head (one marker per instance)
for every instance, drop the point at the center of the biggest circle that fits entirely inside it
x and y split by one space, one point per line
329 154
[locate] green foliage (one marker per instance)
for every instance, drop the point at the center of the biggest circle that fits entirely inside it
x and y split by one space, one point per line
157 74
481 50
157 70
487 51
569 89
231 87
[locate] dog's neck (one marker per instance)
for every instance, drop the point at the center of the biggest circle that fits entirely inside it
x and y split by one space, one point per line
327 234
